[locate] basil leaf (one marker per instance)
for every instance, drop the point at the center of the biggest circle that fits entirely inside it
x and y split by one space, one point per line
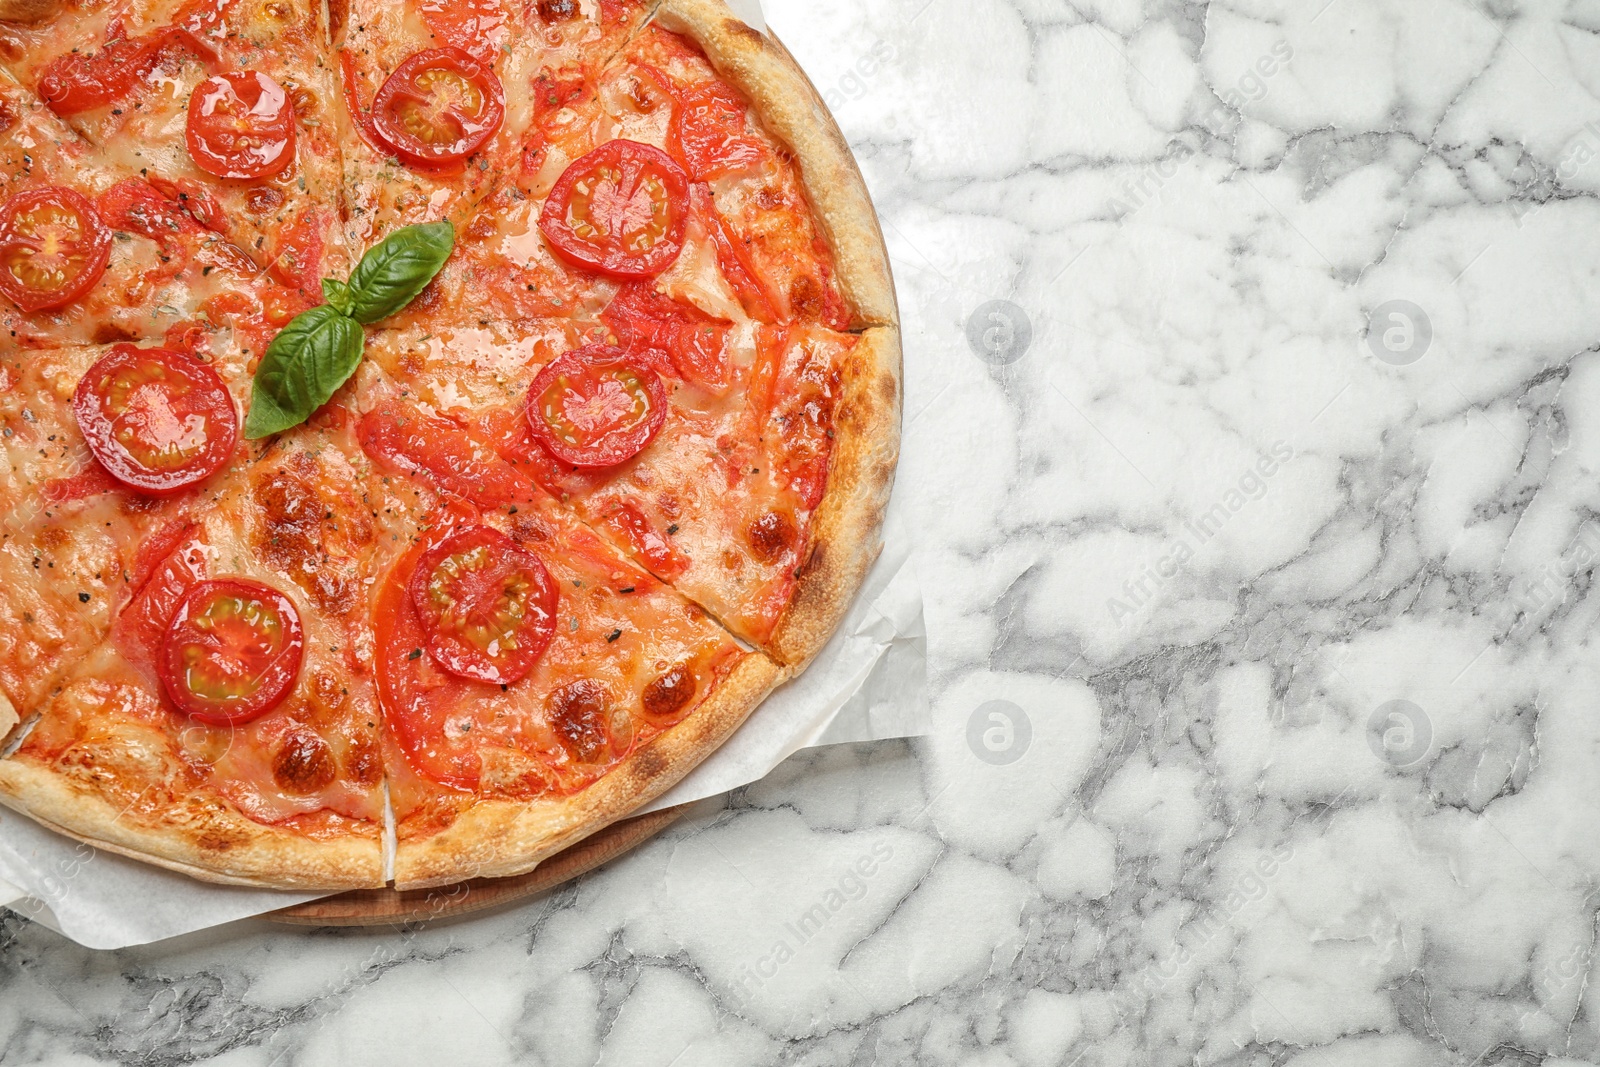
338 294
394 271
304 365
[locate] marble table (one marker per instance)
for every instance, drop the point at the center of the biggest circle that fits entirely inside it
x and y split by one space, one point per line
1253 431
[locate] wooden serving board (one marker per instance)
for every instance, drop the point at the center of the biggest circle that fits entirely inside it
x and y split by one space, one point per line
385 907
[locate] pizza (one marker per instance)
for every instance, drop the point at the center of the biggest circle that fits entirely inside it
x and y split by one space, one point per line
428 428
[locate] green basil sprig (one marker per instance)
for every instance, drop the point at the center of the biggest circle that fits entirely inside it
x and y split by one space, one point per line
320 349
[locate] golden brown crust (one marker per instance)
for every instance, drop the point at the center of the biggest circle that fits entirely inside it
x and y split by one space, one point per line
28 11
847 531
495 839
792 110
9 719
204 839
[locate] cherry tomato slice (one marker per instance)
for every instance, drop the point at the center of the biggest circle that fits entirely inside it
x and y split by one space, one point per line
53 247
82 81
709 134
157 420
476 26
439 106
620 210
596 407
696 344
232 653
241 126
79 81
487 604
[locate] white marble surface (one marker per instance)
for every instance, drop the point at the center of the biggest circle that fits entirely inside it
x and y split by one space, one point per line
1288 619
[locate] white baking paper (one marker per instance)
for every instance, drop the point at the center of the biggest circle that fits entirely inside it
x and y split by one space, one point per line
750 11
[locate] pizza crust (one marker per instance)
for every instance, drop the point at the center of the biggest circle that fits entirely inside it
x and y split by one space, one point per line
793 111
847 530
501 838
204 839
9 719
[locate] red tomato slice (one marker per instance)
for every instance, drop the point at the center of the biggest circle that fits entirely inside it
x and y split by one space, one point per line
165 566
297 258
733 258
476 26
136 206
439 106
596 407
77 81
241 126
232 653
487 605
648 544
697 344
709 134
82 81
620 210
157 420
53 247
440 720
439 450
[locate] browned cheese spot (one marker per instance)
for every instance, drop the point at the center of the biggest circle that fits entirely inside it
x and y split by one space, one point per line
667 696
558 10
303 763
578 713
771 536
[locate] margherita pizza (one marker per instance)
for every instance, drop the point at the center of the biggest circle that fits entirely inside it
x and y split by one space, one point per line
430 427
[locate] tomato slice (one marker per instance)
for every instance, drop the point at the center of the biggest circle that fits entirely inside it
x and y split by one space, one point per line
166 565
620 210
596 407
697 344
709 134
53 247
232 653
476 26
439 106
487 605
445 454
76 81
157 420
82 81
241 126
136 206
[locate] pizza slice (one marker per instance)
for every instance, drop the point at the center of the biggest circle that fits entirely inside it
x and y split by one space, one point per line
535 684
437 95
90 254
225 106
228 727
654 171
165 423
729 491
